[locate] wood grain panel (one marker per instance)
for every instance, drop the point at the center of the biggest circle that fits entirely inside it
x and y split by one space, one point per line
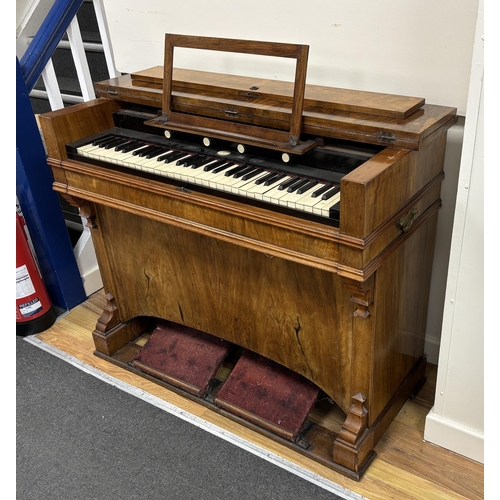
289 313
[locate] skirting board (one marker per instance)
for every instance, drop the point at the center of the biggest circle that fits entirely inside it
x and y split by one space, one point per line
431 350
452 436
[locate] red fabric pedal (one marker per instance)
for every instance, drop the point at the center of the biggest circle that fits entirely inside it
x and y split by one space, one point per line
268 394
182 356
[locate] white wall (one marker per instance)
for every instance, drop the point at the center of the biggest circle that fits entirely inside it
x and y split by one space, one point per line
420 48
456 421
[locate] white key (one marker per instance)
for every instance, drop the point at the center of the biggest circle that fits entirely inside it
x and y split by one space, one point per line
126 159
218 178
243 187
323 207
259 190
85 150
197 175
190 174
171 169
307 202
225 182
204 178
290 199
274 194
153 164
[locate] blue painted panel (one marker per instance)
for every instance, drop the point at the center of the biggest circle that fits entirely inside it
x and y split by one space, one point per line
41 208
46 39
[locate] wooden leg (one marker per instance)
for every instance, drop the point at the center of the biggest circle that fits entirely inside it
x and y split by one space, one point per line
111 334
352 448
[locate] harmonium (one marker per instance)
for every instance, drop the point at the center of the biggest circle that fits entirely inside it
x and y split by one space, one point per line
265 246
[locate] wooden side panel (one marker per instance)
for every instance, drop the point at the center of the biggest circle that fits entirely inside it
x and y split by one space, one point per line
400 306
373 192
75 122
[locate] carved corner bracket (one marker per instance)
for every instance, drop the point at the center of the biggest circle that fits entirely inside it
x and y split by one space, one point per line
352 448
357 420
109 317
361 296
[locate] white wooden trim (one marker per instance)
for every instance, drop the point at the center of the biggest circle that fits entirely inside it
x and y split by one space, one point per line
52 86
451 435
80 59
106 44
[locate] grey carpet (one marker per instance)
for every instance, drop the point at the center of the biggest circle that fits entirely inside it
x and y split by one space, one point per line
81 438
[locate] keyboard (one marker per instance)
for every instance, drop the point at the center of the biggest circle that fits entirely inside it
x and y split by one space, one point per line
295 187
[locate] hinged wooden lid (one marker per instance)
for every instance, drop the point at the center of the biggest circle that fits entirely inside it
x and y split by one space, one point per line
325 99
366 117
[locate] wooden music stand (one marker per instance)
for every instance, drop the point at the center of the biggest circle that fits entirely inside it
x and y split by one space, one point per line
285 141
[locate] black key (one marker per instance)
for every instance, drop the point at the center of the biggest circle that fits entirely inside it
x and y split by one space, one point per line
214 164
104 139
136 152
145 151
241 173
321 190
156 152
297 185
267 177
130 146
288 183
125 142
330 193
103 144
274 179
251 174
306 188
200 162
185 161
222 167
166 155
234 170
115 143
174 157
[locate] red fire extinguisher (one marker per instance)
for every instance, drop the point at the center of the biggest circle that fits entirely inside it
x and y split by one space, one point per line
34 310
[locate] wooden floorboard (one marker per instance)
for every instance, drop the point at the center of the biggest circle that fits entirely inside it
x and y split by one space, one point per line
406 467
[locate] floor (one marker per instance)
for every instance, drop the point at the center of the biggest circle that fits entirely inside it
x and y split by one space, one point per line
406 467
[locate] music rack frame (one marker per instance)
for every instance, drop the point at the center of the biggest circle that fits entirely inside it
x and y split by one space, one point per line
285 141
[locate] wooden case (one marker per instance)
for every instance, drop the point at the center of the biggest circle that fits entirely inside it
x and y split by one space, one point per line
344 307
